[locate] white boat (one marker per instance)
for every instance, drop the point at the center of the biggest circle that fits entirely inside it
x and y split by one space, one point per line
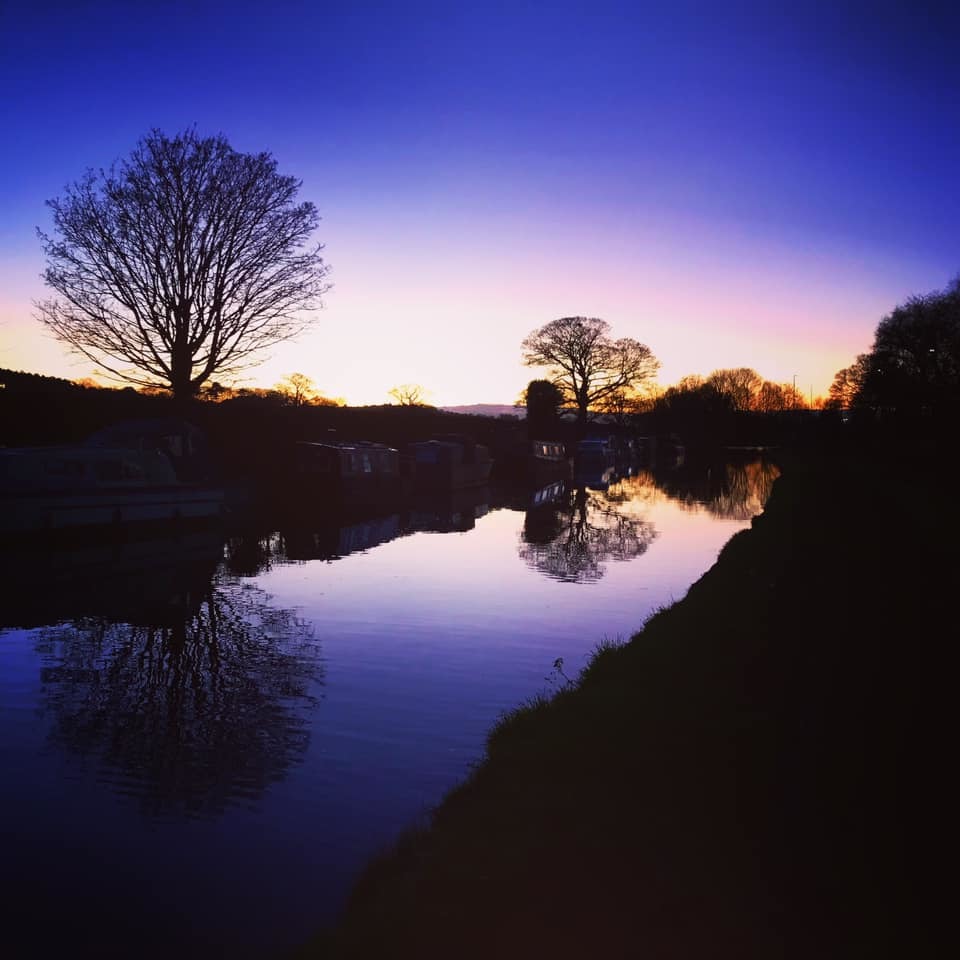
79 486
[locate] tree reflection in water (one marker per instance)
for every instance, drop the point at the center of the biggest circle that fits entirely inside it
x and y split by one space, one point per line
573 538
736 490
192 713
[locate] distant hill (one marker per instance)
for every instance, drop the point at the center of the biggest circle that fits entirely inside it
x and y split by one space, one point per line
489 410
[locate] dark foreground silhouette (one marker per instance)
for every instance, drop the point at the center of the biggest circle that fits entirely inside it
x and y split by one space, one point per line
759 773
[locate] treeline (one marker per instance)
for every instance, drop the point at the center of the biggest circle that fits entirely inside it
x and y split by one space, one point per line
740 389
913 368
728 407
18 381
249 431
735 406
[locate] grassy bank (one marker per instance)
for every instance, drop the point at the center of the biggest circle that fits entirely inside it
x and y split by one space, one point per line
757 773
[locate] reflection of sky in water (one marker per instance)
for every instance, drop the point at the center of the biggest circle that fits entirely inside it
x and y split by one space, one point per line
400 658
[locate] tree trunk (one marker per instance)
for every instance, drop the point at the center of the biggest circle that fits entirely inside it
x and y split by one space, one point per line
180 380
581 421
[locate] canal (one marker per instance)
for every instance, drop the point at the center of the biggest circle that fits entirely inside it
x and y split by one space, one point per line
205 738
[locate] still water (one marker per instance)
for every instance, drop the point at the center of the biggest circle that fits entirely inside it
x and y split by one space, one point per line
204 739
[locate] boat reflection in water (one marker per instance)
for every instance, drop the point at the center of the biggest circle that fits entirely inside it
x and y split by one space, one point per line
327 535
187 690
136 579
455 511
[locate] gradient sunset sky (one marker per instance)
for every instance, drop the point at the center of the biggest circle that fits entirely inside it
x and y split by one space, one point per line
731 184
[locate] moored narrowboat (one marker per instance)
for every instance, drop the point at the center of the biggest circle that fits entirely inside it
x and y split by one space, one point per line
49 489
449 462
354 471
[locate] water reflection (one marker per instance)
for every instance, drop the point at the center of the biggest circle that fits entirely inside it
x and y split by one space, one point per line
733 490
133 580
187 688
573 533
182 676
455 512
192 691
325 536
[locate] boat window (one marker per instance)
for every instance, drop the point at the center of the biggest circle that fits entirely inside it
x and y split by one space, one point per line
132 471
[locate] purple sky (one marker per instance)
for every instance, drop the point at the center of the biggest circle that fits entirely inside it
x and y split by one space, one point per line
730 184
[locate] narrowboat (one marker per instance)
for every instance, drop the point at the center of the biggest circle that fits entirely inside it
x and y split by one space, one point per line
79 486
548 460
595 452
449 462
357 471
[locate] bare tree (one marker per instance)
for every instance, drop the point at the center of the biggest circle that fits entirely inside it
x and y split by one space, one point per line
848 383
793 399
185 260
585 363
409 394
298 388
625 403
770 398
739 385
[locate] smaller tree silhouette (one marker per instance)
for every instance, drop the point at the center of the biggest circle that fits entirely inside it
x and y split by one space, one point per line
543 400
298 388
848 384
585 363
739 385
409 394
770 398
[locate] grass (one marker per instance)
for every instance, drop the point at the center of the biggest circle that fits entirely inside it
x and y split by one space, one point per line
756 773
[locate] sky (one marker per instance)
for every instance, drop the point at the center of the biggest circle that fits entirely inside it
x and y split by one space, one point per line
731 184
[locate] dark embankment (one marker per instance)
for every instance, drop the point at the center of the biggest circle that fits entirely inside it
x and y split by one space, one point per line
758 773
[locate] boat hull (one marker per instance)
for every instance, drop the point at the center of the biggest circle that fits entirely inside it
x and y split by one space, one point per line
64 511
445 476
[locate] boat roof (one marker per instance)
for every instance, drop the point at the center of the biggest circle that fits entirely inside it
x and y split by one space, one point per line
76 450
144 427
346 444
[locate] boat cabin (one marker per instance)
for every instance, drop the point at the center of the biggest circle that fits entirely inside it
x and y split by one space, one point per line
79 486
79 468
449 462
347 460
354 470
183 443
548 450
